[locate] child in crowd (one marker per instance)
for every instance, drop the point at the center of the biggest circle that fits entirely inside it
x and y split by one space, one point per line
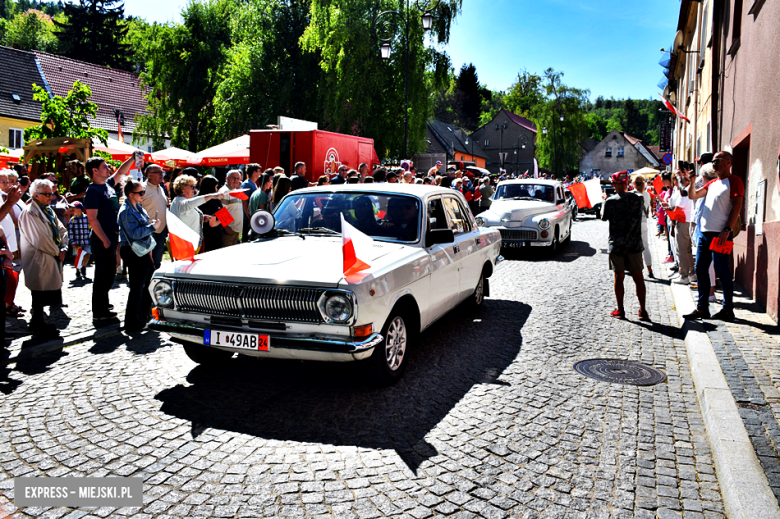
78 234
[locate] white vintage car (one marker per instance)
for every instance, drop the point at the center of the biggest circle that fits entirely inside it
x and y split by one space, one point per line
529 212
284 295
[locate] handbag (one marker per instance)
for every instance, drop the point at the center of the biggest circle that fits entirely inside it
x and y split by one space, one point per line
143 246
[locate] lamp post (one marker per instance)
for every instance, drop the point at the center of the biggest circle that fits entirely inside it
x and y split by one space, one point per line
521 142
385 30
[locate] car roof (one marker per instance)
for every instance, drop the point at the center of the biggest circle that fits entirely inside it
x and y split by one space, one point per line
535 181
419 190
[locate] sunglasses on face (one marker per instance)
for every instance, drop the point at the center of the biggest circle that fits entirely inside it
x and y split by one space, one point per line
715 161
46 194
142 192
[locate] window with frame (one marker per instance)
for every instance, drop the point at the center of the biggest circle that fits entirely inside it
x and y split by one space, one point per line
620 152
608 153
15 138
459 219
487 142
437 217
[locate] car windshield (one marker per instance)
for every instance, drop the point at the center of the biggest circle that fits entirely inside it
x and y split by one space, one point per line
386 217
541 192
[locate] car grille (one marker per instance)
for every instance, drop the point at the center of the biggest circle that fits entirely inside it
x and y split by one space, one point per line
517 235
248 301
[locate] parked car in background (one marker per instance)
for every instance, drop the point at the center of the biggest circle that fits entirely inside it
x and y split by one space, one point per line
529 212
285 295
607 189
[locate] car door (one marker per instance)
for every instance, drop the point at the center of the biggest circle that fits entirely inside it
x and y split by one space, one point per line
445 283
467 246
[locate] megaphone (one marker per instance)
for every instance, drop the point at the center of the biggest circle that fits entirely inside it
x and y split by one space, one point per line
262 222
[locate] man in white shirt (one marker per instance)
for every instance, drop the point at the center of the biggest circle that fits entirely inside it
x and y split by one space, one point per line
682 229
235 208
155 202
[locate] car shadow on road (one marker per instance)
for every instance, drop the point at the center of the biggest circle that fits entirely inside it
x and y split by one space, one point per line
567 253
329 403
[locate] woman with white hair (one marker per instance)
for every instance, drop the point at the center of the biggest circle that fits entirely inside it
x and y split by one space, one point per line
186 205
44 243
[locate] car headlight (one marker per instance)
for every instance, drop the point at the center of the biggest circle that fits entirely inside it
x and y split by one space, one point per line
336 308
480 221
163 294
544 223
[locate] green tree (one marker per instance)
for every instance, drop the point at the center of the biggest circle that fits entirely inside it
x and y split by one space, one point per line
469 96
93 32
526 93
65 116
597 126
360 93
31 30
491 106
182 73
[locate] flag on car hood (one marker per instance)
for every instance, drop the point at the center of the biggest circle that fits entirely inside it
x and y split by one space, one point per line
355 245
184 241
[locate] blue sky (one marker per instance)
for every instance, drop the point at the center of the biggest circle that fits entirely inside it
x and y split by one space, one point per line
610 47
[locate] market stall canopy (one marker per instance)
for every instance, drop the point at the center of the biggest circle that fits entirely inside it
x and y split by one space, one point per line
231 152
118 150
174 157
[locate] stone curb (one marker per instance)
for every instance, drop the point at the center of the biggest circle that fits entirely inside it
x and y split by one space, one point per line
743 482
36 350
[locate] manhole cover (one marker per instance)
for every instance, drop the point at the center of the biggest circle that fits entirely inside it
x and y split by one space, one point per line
620 372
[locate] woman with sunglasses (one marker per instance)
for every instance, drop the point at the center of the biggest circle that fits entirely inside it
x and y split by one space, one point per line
186 206
136 226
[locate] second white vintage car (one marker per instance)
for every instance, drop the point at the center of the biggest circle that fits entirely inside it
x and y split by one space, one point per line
529 212
285 295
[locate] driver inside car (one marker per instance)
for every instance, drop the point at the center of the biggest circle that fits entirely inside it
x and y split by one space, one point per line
401 221
331 216
365 222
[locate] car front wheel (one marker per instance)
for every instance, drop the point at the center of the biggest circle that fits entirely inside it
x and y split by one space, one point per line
478 297
388 360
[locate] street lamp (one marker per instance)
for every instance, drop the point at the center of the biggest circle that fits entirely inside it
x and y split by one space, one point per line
544 130
385 30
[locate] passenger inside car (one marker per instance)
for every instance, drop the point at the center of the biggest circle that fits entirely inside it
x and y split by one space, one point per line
401 220
365 220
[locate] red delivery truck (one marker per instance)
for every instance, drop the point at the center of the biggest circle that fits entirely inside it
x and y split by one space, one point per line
323 152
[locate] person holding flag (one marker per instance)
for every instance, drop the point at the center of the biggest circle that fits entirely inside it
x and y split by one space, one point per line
232 200
185 207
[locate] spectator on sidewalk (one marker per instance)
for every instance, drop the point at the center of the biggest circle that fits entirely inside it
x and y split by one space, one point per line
282 187
641 189
723 198
235 207
79 182
102 205
253 172
623 211
135 227
212 234
341 177
259 199
155 202
707 173
78 236
362 172
44 244
186 206
487 193
298 179
682 230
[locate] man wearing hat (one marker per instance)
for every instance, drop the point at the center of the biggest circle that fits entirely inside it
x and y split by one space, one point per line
341 178
623 211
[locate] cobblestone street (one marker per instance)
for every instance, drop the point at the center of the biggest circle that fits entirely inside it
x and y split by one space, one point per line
490 420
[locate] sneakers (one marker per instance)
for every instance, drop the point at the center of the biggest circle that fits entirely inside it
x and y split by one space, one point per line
682 281
644 316
105 317
697 314
78 275
618 314
669 259
724 314
693 279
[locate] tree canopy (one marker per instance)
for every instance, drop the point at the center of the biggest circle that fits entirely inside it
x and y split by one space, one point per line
93 31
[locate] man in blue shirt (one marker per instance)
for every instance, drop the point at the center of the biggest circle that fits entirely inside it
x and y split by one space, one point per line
253 172
102 206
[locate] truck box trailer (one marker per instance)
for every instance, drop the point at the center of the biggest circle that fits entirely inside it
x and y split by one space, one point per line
323 152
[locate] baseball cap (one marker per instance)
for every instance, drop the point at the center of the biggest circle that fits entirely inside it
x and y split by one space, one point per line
621 177
705 158
438 163
77 205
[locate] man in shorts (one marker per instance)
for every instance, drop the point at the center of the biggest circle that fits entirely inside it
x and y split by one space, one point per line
623 211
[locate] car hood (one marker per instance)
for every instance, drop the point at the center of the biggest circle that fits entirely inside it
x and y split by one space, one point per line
518 210
289 260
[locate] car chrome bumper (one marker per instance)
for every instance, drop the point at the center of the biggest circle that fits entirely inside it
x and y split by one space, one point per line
282 346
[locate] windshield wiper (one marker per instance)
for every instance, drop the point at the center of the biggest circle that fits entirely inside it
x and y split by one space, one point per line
524 198
277 231
318 230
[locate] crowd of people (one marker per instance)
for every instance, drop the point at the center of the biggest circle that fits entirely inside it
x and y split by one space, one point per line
698 214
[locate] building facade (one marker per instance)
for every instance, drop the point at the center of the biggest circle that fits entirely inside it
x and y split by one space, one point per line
618 151
725 77
454 143
18 109
512 135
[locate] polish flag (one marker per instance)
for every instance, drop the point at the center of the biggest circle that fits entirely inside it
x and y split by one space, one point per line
586 194
184 241
239 193
78 262
355 243
672 108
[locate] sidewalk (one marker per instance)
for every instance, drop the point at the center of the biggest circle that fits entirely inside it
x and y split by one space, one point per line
74 321
748 354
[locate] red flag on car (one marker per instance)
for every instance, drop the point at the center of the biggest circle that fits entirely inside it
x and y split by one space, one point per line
355 245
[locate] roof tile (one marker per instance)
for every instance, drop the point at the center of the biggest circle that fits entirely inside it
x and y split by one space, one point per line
21 72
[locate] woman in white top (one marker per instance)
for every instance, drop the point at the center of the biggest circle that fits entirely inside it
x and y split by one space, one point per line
185 205
639 185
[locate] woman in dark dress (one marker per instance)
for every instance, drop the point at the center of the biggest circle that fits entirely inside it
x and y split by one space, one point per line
212 236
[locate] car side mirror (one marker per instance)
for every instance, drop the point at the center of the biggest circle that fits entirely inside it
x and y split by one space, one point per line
439 236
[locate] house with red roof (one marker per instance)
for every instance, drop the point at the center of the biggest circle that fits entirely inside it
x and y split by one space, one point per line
618 151
509 136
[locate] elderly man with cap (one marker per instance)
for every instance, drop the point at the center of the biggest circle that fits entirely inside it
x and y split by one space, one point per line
623 211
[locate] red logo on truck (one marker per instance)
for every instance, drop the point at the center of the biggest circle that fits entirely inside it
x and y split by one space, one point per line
332 162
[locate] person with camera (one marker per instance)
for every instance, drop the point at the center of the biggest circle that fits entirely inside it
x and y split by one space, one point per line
723 199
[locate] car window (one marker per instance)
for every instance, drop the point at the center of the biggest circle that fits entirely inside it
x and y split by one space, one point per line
459 220
437 218
388 217
525 191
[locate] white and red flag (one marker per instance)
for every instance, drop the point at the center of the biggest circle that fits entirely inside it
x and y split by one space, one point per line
672 108
184 241
586 194
78 261
356 245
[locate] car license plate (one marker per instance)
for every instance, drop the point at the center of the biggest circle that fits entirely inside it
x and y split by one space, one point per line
244 341
515 244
